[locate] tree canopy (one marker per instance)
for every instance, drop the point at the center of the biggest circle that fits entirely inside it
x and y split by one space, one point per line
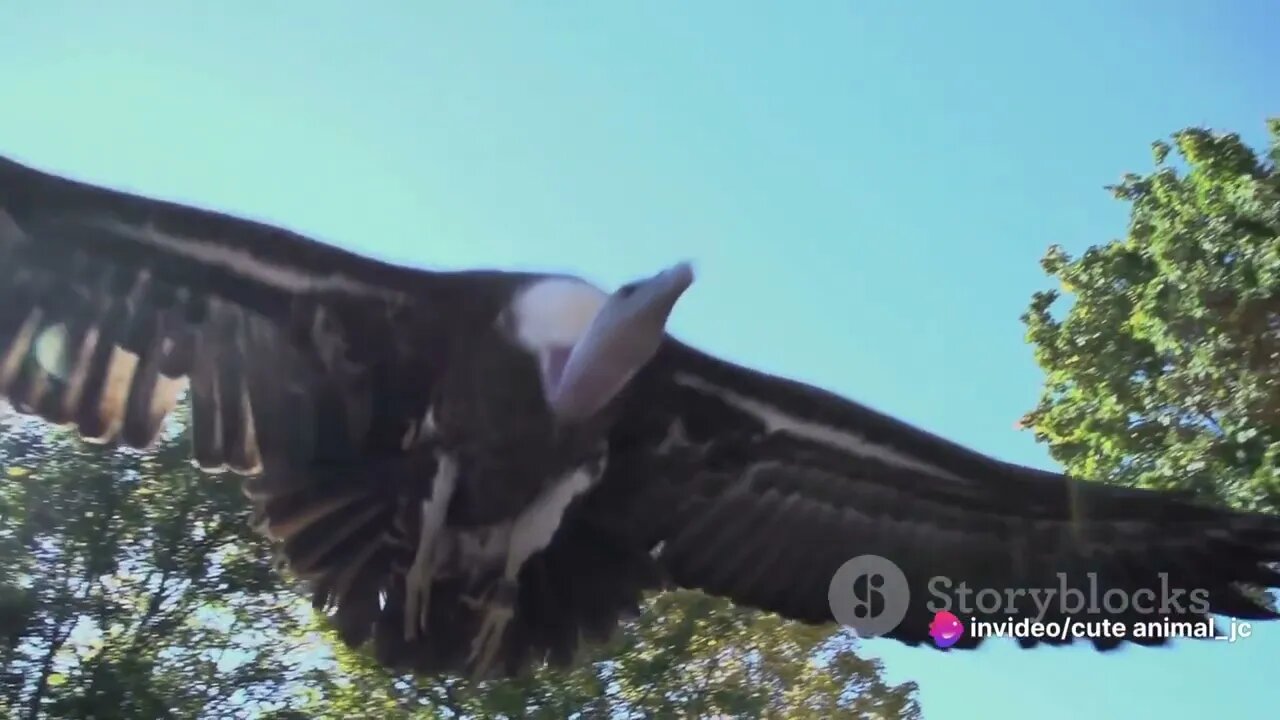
130 587
1164 369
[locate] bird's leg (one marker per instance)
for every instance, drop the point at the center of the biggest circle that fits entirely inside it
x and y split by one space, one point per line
421 575
497 608
532 531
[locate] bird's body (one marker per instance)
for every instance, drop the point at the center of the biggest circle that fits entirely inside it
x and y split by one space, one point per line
483 470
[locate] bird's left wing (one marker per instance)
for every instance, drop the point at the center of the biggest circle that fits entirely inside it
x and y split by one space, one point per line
300 359
759 489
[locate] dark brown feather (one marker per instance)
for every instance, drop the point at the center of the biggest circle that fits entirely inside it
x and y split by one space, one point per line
766 518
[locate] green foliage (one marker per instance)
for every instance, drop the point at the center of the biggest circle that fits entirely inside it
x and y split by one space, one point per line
688 655
1165 369
132 587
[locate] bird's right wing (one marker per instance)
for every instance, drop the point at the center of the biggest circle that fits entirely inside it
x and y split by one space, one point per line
300 359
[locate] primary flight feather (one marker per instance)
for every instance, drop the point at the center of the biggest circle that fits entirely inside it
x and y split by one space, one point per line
477 472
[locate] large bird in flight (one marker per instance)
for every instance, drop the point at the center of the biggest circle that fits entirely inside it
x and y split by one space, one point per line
478 472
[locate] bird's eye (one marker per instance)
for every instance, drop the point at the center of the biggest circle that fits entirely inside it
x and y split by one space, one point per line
627 291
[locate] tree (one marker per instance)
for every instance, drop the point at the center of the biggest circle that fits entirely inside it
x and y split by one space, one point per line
1165 370
131 587
687 655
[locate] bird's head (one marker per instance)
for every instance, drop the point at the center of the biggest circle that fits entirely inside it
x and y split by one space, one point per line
590 344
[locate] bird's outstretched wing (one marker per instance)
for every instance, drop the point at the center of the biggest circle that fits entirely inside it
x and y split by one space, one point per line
765 487
299 370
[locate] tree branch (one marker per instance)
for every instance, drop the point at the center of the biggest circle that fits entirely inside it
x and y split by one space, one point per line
61 630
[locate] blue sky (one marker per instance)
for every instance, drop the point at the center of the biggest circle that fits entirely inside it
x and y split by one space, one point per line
866 188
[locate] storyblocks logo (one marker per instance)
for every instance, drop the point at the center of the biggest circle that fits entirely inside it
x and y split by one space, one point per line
1065 599
870 595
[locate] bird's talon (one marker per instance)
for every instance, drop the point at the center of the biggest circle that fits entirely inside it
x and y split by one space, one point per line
498 607
417 599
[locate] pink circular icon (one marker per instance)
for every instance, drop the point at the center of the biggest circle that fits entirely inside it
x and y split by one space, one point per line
945 629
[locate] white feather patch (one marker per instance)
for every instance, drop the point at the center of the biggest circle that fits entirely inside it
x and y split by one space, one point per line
775 419
512 543
536 526
555 312
244 264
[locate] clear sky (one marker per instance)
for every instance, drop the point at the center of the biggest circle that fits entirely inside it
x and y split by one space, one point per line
866 187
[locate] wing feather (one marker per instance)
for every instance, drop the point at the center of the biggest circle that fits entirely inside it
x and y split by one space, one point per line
773 485
113 306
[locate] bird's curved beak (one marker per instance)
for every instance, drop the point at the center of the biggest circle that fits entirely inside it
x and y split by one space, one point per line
676 279
622 338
